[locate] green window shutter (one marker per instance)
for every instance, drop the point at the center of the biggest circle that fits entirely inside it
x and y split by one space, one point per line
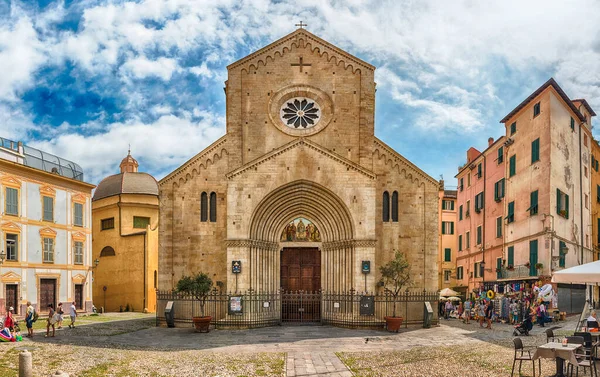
533 200
500 154
447 255
567 205
598 193
572 124
460 213
499 227
513 165
452 227
48 208
535 151
558 201
479 171
78 214
499 268
496 197
478 235
12 201
511 256
511 212
452 205
502 188
513 128
598 231
460 243
533 257
561 246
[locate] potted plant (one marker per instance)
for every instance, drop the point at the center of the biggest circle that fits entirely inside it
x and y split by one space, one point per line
527 264
539 266
199 287
498 269
563 212
395 275
510 267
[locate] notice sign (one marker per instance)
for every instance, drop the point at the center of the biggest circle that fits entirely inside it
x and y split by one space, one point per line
367 305
235 305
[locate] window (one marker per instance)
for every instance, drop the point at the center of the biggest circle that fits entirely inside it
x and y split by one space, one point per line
598 193
155 279
12 247
107 223
500 155
395 206
140 222
448 205
598 227
513 128
533 203
386 207
460 208
498 268
587 240
479 173
499 227
585 140
479 202
562 204
536 109
562 251
107 251
478 270
478 236
213 207
499 190
512 169
511 256
468 207
459 272
447 274
533 257
12 201
535 150
48 203
511 212
447 255
447 227
78 252
460 239
469 180
595 164
462 181
204 207
468 240
78 219
572 124
586 201
48 250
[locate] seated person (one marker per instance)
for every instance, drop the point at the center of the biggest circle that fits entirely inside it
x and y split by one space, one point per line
592 320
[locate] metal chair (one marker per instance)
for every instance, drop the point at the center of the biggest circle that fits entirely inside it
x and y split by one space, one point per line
585 359
523 357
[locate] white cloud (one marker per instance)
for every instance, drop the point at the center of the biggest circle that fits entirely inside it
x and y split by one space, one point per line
202 70
167 142
141 67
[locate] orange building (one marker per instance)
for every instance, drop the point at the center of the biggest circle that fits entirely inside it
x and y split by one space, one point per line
447 225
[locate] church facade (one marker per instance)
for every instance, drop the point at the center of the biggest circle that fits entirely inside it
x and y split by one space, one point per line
299 192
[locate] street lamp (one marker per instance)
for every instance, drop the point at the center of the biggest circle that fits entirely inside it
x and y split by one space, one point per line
97 262
2 256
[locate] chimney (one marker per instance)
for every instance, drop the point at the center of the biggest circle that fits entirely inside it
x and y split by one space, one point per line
441 184
490 141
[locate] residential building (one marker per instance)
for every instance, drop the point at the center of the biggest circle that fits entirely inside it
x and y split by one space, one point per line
46 236
595 203
125 228
447 255
480 211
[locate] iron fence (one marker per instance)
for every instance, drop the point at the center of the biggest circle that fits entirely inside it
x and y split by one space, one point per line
251 309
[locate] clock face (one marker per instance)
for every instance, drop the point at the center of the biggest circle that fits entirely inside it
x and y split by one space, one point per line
300 113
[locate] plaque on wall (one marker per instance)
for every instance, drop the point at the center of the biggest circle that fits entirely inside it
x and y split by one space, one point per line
367 305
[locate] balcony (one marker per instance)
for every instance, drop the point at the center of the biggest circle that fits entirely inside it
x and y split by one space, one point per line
518 272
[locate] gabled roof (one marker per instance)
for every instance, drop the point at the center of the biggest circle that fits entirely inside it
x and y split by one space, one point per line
533 95
586 105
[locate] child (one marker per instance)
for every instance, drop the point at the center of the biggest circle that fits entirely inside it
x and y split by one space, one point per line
51 320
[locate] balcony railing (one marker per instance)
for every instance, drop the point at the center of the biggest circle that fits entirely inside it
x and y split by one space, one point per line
518 272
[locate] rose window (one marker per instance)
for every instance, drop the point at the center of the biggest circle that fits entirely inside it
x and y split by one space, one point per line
300 113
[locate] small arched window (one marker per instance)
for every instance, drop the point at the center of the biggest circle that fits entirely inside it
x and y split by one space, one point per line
204 207
213 207
107 252
386 207
395 206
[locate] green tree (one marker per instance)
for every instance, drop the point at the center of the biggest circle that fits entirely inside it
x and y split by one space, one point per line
198 286
395 275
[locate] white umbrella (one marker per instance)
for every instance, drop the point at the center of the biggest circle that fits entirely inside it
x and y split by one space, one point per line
442 298
588 273
452 298
446 292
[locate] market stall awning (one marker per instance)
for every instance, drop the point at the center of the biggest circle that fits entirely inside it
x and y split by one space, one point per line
588 273
447 292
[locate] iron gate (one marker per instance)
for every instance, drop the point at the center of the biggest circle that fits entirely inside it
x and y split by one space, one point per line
301 307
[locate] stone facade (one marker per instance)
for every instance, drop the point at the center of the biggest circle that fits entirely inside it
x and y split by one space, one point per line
265 173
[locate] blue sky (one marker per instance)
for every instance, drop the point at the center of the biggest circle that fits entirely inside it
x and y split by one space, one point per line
83 79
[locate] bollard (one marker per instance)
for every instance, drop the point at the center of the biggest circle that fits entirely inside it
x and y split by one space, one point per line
25 364
60 373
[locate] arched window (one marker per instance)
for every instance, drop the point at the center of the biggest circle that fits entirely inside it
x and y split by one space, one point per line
395 206
386 207
213 207
107 252
204 207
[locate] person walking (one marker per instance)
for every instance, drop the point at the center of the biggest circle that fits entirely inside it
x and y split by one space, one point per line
467 317
51 320
481 313
29 319
448 309
60 312
489 311
541 314
73 315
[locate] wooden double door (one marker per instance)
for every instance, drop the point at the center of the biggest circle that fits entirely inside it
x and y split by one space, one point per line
12 297
47 294
301 283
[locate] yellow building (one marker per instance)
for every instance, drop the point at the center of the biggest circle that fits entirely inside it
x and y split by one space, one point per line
448 240
125 240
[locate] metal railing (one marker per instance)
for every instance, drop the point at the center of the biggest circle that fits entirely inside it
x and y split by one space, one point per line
250 309
517 272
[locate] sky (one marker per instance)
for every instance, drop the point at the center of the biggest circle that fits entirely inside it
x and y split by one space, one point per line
84 79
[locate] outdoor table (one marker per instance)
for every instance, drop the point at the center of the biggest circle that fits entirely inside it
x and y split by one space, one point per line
560 353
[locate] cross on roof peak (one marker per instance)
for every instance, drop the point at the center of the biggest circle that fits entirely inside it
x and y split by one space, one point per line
301 25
